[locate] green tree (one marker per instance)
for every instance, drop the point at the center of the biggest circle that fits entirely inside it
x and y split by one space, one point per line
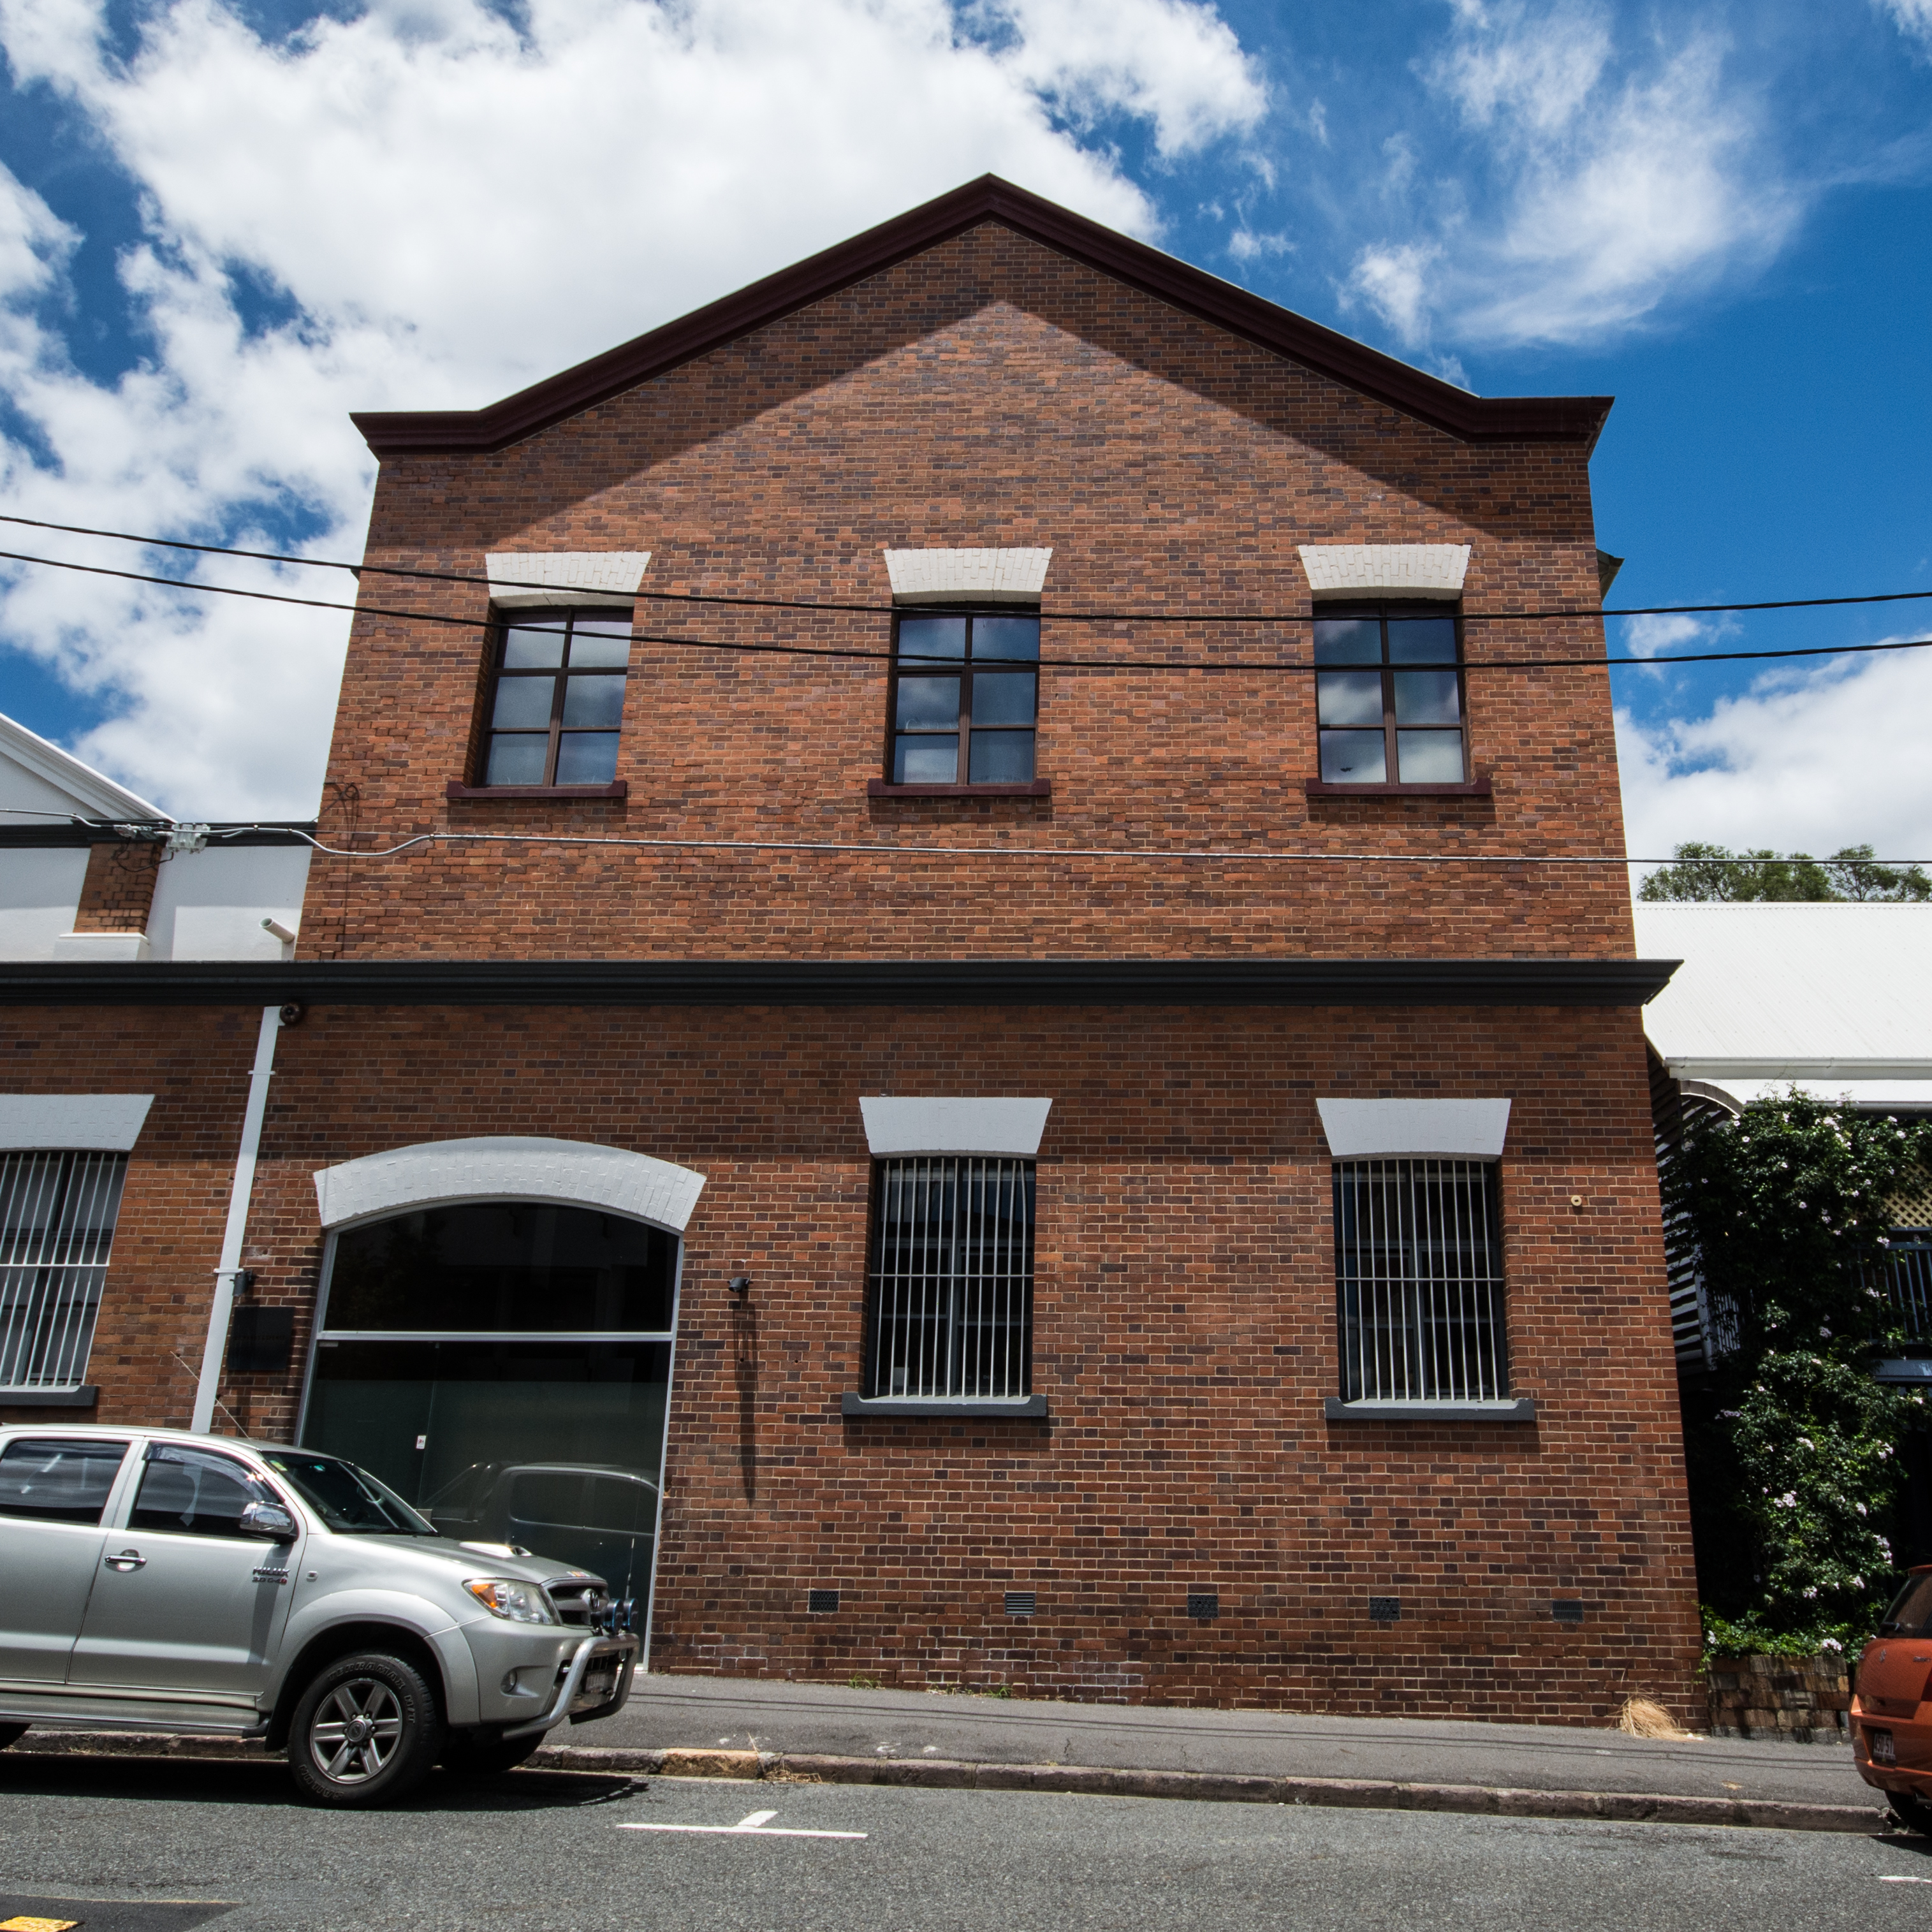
1701 871
1792 1450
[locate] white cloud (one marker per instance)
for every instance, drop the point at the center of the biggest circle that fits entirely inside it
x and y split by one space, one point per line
1617 179
1913 17
1810 761
456 207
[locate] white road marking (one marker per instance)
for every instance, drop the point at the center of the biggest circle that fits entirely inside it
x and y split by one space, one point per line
755 1825
1897 1878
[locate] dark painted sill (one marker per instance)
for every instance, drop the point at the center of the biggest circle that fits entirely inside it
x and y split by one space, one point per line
618 788
1020 1409
1033 788
86 1397
1523 1409
1320 788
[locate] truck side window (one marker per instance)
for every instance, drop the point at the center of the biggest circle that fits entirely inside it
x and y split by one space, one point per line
192 1492
53 1481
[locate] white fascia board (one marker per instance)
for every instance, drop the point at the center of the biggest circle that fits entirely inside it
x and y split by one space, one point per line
1727 1068
897 1124
564 577
1863 1096
575 1173
1427 1129
73 1123
967 576
1385 570
95 795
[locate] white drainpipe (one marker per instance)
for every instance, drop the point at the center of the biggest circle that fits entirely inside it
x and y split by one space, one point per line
264 1070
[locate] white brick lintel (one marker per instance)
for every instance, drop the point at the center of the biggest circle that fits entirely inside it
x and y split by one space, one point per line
564 577
1385 570
974 576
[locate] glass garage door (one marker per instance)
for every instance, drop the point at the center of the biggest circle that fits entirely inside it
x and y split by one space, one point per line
505 1365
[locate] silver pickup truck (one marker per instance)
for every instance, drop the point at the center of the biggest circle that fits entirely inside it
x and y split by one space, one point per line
152 1580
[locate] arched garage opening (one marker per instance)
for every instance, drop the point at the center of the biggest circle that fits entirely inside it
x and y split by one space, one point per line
494 1339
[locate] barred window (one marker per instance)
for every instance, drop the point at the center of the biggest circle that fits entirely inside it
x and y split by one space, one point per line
57 1215
1419 1281
950 1285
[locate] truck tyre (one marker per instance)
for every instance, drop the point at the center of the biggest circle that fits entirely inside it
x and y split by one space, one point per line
1911 1810
366 1731
11 1734
474 1754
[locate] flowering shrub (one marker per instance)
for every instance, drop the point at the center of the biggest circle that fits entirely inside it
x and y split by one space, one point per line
1792 1449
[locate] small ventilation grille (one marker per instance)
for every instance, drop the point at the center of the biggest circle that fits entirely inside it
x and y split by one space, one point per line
821 1601
1022 1603
1385 1609
1204 1605
1567 1610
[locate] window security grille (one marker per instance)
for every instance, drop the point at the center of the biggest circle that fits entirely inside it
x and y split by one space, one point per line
951 1283
1418 1270
1909 1287
57 1215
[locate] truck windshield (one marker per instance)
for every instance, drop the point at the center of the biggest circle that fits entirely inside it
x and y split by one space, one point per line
348 1499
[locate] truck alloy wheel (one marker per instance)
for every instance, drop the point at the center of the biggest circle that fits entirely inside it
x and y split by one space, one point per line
366 1731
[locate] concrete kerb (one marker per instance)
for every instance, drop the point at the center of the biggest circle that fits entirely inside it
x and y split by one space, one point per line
938 1774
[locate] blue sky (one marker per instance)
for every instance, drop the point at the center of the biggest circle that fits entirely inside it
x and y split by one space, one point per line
223 225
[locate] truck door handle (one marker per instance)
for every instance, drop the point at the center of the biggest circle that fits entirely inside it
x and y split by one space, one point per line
128 1559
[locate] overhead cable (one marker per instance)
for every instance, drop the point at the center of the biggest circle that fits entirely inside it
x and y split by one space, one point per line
1055 664
359 570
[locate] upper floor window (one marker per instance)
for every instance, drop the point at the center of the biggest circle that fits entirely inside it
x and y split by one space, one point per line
965 700
556 698
1390 711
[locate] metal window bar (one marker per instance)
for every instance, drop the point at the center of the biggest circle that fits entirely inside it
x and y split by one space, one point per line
951 1281
1909 1281
57 1213
1419 1281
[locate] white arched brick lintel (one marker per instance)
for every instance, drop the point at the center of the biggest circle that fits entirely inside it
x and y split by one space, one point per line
574 1173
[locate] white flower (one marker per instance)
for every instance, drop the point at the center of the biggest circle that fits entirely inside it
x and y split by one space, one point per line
1860 1508
1807 1442
1787 1501
1831 1642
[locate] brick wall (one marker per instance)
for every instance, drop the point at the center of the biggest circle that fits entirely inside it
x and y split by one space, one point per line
987 392
1185 1332
117 892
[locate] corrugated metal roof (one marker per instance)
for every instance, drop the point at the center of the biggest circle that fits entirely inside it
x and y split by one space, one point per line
1767 993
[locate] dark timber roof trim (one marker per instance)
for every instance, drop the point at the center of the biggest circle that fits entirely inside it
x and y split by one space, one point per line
1471 418
844 982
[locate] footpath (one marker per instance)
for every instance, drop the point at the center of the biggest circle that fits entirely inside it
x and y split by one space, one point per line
757 1728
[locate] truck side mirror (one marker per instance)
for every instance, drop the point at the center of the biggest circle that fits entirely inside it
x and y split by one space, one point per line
269 1521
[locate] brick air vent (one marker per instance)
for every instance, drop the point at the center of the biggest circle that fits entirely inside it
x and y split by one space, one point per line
1385 1609
821 1602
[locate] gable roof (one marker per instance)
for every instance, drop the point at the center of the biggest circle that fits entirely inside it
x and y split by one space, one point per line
43 782
1456 411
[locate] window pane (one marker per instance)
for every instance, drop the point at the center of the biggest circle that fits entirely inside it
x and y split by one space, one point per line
593 701
1000 757
1002 697
926 760
192 1493
932 637
58 1481
510 1266
516 760
600 647
1349 697
1354 757
523 703
1430 758
527 648
586 757
1422 639
926 702
1004 636
1340 640
1426 698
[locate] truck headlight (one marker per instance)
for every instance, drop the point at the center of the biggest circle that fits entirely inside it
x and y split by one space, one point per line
520 1603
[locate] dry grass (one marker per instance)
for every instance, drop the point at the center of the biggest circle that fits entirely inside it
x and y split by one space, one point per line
1642 1718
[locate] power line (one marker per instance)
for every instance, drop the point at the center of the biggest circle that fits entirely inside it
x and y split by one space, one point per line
1053 664
360 570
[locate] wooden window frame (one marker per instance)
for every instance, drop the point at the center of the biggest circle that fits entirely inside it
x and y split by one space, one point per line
960 785
1382 609
503 622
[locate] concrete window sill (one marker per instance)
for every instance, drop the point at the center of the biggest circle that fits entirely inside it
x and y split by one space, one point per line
85 1396
1022 1408
1521 1409
1032 788
1322 788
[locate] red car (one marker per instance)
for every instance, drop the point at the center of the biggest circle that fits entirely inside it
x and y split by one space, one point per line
1891 1707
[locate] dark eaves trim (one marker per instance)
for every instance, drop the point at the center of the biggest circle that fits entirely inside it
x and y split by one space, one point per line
67 831
1471 419
843 982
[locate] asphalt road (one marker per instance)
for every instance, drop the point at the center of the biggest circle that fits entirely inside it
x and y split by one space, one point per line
147 1845
764 1714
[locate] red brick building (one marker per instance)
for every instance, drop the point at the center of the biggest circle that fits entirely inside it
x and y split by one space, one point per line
963 1010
